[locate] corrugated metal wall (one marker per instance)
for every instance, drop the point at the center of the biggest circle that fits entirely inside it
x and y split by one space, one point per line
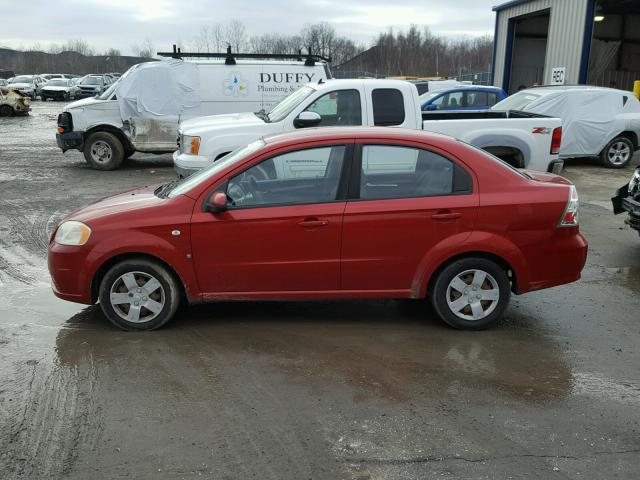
564 43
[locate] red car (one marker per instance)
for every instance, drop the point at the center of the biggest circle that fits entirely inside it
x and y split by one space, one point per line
326 214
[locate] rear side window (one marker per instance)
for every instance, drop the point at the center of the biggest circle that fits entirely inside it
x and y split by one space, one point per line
390 171
388 107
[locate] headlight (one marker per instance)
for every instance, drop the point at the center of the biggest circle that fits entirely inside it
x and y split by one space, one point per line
190 144
634 184
72 233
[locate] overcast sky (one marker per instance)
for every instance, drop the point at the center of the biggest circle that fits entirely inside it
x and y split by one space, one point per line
123 23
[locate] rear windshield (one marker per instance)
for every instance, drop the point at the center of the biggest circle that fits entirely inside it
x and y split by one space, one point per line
495 159
517 101
22 79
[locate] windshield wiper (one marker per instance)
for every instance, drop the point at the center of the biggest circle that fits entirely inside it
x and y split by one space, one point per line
164 190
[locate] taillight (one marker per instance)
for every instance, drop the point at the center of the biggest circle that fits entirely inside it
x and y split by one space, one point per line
556 141
570 215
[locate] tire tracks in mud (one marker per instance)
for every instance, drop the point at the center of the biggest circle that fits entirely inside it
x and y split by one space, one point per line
24 241
49 412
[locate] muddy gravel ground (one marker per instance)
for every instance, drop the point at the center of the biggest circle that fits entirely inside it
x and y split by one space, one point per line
339 390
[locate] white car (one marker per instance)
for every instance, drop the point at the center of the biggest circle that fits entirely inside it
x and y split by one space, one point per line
28 84
59 89
596 121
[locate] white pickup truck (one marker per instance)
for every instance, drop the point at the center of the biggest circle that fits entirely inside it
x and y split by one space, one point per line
526 140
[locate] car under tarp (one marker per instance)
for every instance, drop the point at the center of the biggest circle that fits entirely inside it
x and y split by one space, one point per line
590 118
155 89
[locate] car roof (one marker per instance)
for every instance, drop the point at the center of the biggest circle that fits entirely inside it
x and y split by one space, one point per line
348 133
551 89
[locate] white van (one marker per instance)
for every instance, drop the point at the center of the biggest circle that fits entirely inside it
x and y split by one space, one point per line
141 112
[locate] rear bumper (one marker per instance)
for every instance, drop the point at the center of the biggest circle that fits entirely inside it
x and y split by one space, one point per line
69 140
556 167
559 262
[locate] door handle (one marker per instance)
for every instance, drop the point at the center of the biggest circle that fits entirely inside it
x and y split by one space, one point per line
445 216
313 222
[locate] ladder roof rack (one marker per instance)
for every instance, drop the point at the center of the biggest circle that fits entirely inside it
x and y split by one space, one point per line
230 58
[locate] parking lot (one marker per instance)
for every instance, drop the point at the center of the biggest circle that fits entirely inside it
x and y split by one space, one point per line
327 390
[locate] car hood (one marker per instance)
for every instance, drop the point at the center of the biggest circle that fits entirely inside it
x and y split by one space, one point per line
56 88
198 125
136 199
85 102
20 85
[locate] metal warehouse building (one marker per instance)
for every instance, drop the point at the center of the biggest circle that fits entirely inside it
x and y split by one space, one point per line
568 42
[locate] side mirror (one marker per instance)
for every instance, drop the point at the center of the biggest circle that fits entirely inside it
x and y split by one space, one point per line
307 119
217 203
431 107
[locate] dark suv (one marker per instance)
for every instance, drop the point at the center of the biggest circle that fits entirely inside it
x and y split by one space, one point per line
627 199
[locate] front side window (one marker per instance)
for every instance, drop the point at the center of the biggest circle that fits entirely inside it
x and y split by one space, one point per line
301 177
340 107
388 107
449 101
477 99
390 171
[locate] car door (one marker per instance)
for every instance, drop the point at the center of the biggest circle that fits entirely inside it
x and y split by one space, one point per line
409 199
281 231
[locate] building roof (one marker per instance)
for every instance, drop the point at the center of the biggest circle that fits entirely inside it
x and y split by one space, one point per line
510 4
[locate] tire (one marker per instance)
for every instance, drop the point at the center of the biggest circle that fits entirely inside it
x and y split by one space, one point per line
6 110
128 152
103 151
618 153
127 304
446 297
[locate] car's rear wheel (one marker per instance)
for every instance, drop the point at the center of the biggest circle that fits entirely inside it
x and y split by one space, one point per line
618 153
6 111
471 293
103 151
139 294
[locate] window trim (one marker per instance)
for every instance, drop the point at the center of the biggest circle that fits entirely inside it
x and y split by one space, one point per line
362 116
341 192
373 107
354 186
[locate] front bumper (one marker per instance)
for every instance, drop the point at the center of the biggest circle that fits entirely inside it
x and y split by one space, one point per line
70 279
623 203
69 140
186 165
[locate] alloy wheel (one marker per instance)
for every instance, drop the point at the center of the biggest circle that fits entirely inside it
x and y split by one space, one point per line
473 295
137 297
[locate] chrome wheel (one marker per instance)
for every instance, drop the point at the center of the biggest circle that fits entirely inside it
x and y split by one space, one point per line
137 297
619 153
473 295
101 152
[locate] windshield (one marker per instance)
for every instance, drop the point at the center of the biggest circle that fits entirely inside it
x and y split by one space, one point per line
91 81
206 173
22 79
428 96
56 82
517 101
286 106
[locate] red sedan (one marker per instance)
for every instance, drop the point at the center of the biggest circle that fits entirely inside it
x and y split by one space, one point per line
325 214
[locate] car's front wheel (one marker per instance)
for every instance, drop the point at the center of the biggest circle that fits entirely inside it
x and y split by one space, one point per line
139 294
471 293
618 153
103 151
6 110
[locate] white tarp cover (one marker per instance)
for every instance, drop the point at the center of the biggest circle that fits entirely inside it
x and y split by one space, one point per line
166 87
590 118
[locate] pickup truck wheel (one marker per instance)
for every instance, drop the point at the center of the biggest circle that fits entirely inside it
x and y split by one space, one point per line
103 151
618 153
471 293
139 294
6 111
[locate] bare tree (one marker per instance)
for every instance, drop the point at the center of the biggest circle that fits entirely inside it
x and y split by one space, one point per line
145 49
236 35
